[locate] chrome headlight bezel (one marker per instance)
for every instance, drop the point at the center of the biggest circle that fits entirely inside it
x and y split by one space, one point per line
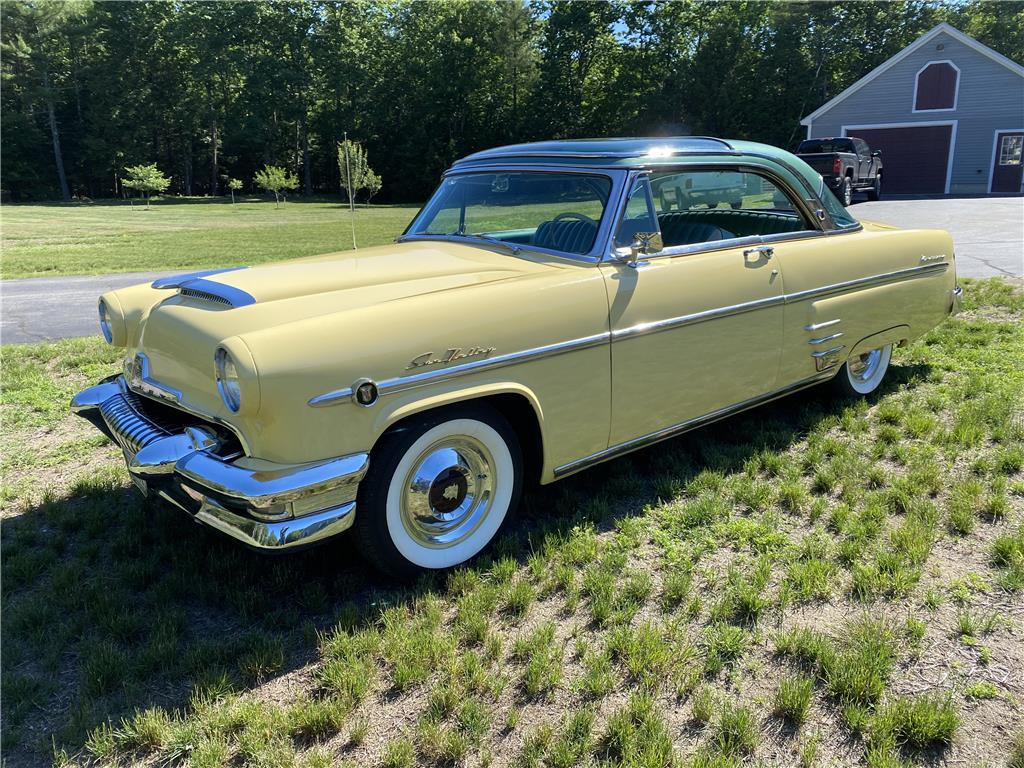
228 382
105 325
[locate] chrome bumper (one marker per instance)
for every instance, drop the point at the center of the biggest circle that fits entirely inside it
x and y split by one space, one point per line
191 464
957 301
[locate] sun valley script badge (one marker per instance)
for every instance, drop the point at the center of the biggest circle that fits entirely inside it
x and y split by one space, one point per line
450 356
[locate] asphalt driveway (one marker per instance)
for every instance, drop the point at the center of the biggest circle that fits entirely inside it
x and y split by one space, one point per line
988 232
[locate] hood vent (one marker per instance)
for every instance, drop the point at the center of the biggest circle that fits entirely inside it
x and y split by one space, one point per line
192 293
195 285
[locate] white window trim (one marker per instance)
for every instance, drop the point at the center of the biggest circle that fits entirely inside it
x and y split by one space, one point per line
995 148
956 88
919 124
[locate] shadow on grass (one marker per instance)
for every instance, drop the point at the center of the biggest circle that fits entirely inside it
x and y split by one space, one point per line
112 604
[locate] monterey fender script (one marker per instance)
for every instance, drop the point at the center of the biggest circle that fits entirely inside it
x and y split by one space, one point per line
450 356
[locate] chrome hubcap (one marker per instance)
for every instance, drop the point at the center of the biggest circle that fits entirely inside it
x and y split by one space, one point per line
448 492
863 367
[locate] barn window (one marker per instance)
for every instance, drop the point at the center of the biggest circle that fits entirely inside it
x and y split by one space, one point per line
936 86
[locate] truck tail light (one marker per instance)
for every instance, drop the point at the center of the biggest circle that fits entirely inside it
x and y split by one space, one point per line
837 166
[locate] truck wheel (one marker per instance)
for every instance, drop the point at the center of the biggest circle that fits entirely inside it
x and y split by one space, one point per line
863 374
438 491
875 193
847 192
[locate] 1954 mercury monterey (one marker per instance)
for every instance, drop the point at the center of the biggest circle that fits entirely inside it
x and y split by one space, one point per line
552 306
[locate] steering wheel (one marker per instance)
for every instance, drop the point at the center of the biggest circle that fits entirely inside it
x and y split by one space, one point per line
573 215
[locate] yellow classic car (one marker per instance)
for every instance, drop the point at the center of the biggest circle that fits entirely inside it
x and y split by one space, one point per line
552 306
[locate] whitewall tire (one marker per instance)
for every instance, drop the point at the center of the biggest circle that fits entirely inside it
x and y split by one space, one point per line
439 490
863 374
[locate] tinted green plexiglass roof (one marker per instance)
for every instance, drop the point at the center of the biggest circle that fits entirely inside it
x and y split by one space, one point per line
640 153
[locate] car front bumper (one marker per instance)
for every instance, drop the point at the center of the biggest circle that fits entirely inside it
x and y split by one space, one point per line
192 464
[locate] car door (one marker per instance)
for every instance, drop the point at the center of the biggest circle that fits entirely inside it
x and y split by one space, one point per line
698 326
865 159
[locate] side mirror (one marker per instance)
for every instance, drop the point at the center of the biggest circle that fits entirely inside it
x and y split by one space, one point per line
876 153
644 243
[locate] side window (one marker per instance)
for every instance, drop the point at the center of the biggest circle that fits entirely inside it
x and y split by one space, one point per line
862 147
639 214
702 206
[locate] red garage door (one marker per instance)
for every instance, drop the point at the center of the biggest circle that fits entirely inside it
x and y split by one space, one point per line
914 160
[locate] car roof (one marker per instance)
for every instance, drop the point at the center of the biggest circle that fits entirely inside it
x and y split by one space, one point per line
642 152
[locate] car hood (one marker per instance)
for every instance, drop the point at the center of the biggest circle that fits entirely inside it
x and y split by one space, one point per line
181 332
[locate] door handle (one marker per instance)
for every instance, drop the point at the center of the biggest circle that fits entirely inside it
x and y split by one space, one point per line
762 251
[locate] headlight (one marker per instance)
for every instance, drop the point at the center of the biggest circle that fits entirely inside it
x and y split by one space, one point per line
108 332
227 379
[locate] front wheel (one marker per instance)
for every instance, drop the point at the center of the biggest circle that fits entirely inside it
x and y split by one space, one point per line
863 374
847 192
875 193
438 490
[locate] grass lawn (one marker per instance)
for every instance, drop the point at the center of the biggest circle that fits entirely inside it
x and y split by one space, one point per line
817 582
109 236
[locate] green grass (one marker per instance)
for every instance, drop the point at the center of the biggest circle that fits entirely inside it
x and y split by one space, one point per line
183 233
760 588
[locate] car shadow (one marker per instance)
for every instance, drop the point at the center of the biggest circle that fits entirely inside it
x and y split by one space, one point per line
113 604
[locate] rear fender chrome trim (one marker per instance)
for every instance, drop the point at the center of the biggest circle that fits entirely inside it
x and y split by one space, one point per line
819 326
823 339
865 282
685 426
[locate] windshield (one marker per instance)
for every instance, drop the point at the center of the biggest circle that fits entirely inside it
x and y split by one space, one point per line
814 146
558 211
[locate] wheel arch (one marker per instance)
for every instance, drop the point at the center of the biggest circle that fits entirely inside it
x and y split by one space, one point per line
516 403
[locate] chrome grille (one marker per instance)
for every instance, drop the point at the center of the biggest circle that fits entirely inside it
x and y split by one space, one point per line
192 293
130 427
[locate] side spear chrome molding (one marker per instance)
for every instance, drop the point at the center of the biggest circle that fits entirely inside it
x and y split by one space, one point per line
402 383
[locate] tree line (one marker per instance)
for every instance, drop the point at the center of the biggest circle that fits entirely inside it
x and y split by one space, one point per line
216 91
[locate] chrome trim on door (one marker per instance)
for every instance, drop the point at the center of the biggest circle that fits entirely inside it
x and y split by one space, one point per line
656 326
677 429
402 383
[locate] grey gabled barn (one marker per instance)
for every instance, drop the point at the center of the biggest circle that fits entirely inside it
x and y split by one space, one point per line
947 113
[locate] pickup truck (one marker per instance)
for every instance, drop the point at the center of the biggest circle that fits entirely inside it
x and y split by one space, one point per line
846 163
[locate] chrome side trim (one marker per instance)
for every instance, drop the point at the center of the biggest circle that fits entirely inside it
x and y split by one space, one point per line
685 426
655 326
819 326
864 282
402 383
823 339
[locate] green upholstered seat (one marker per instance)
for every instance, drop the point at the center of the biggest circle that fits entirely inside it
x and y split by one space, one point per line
680 227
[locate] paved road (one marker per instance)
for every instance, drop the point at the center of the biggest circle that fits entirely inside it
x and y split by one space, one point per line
988 232
39 308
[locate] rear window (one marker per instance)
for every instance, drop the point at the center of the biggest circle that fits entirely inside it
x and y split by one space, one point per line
814 146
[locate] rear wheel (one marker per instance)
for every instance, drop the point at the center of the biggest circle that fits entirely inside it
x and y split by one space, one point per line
863 374
847 192
875 193
438 490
